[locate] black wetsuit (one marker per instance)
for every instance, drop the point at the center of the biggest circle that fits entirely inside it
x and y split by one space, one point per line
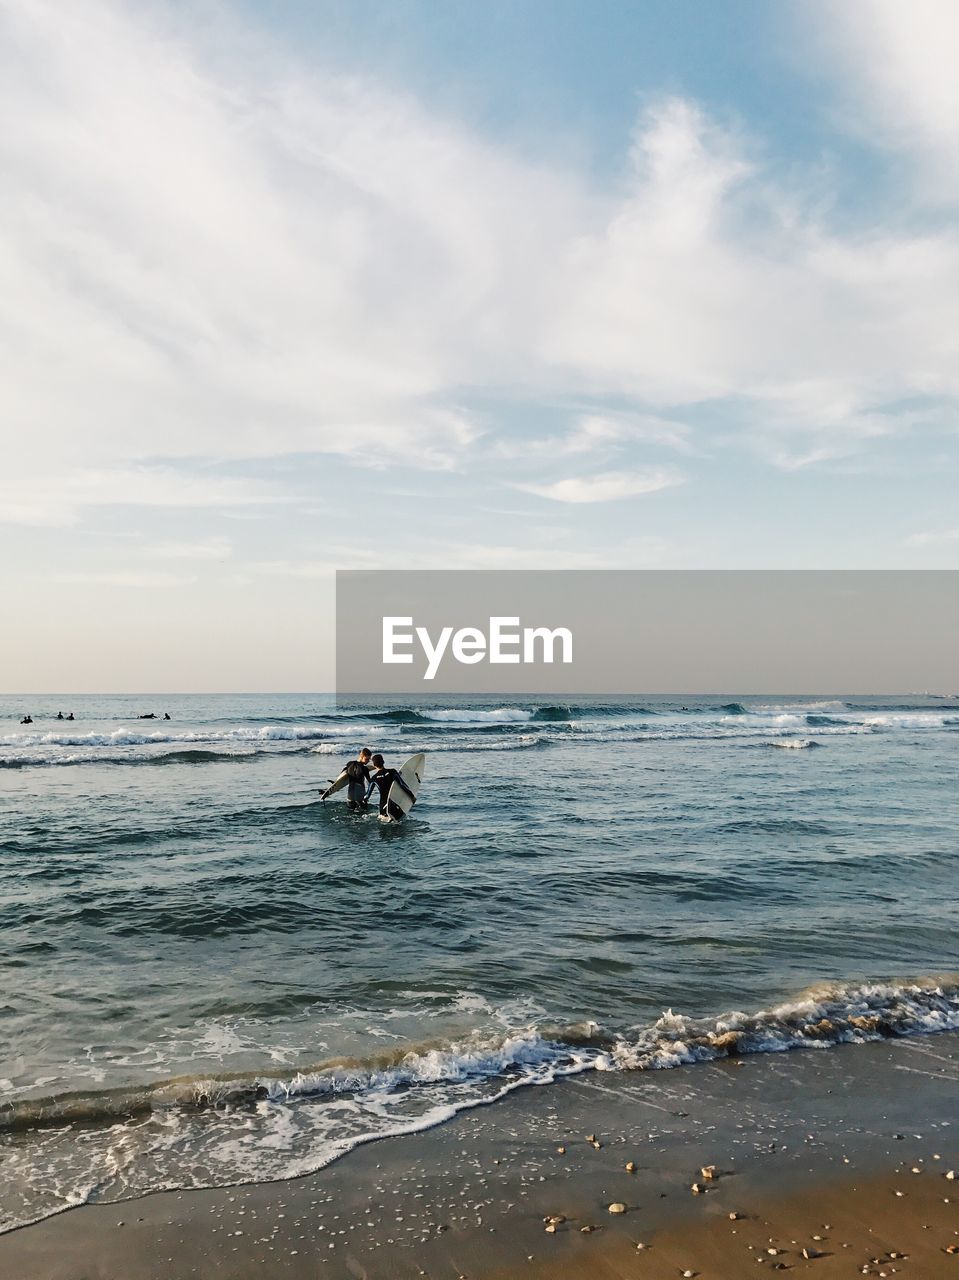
384 779
358 775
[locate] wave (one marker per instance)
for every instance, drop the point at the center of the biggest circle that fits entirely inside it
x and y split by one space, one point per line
824 1014
881 707
829 1013
227 1128
794 744
131 738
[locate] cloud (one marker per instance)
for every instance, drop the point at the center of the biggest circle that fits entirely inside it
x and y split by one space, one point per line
608 487
599 433
59 500
211 250
628 553
899 66
207 549
226 255
932 536
124 580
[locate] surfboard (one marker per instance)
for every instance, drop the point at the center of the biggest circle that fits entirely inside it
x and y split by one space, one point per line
412 774
338 782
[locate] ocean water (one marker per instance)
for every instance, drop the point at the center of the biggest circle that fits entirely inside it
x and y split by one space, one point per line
210 977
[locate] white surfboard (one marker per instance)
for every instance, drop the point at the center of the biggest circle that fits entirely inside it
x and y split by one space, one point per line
338 782
412 774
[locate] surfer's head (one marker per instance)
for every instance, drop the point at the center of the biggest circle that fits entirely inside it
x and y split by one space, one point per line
365 754
378 761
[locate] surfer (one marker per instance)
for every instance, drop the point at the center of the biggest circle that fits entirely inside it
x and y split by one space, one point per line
384 779
357 778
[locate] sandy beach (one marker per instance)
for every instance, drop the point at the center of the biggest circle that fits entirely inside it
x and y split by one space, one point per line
834 1163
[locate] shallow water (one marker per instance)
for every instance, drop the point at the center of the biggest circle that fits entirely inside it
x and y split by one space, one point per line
209 976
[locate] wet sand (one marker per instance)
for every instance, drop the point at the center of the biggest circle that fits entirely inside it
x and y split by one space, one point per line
841 1152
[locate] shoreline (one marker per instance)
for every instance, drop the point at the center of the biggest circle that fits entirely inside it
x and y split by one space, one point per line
799 1140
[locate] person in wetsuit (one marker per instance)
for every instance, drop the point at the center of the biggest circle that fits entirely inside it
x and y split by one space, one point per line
384 779
358 776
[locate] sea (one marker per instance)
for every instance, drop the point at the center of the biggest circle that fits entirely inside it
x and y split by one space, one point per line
208 976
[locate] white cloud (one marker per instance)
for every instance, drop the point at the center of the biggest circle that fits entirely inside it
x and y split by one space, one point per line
210 250
633 552
58 500
241 258
125 580
599 433
932 536
206 549
899 64
608 487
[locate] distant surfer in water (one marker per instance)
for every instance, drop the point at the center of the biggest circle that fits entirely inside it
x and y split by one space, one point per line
384 779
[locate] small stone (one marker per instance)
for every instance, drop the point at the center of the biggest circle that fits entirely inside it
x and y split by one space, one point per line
773 1253
587 1229
708 1171
555 1219
688 1274
630 1166
900 1193
550 1228
734 1216
915 1170
952 1248
641 1244
561 1151
591 1137
951 1175
810 1253
617 1207
597 1145
696 1189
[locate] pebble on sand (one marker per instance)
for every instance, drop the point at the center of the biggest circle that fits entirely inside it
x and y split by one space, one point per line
708 1171
630 1166
617 1207
696 1189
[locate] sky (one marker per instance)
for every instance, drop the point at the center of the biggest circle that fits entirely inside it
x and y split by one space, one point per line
288 286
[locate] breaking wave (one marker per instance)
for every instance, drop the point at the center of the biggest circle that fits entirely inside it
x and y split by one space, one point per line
222 1129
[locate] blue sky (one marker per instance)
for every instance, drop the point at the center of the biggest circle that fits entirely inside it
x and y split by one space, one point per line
291 286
